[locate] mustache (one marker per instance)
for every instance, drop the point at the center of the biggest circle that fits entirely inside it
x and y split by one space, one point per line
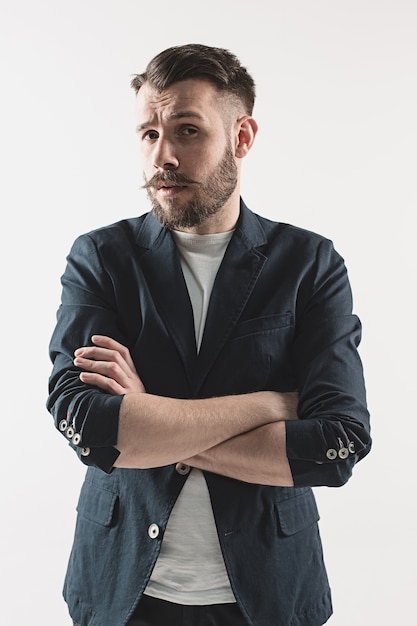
171 177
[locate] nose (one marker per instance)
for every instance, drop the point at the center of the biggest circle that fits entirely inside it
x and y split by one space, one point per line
164 157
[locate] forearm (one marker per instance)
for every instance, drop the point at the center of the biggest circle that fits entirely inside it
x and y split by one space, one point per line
258 456
156 431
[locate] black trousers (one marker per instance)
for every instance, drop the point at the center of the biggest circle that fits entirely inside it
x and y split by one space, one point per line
155 612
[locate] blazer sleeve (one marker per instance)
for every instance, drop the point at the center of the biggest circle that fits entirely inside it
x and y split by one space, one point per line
332 432
86 416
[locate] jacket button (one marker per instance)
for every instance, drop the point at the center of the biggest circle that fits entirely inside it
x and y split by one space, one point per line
351 447
153 531
85 451
63 425
331 454
76 439
70 432
343 453
182 468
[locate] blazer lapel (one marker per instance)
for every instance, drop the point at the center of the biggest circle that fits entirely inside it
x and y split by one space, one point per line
235 280
160 264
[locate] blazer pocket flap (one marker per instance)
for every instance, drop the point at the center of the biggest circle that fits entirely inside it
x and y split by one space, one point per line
263 324
97 504
296 514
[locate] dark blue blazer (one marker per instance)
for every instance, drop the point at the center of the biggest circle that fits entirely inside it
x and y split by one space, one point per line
280 318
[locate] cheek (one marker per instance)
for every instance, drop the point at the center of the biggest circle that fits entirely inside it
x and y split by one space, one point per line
201 159
146 163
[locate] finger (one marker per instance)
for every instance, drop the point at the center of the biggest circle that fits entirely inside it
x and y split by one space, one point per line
102 382
94 354
111 344
110 369
110 382
97 354
127 381
106 342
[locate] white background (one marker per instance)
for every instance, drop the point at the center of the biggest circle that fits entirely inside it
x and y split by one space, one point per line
336 153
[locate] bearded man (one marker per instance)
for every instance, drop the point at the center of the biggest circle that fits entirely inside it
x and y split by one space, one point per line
205 368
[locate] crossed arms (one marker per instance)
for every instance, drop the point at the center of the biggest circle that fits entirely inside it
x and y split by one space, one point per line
241 436
114 418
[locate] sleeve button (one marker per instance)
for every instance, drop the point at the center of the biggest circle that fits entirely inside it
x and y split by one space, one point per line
63 425
331 454
76 439
70 432
343 453
85 451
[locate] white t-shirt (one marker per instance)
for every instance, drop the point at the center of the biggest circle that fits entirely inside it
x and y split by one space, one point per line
190 568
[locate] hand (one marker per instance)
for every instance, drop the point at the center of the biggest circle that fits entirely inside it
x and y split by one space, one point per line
108 365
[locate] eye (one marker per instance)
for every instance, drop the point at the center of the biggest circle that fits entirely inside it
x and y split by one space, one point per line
150 135
188 131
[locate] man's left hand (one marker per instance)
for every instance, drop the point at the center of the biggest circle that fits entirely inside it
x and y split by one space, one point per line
108 365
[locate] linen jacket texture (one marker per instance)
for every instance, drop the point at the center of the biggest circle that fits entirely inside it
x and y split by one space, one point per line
280 318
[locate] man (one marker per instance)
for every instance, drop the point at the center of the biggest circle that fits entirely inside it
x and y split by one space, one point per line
206 369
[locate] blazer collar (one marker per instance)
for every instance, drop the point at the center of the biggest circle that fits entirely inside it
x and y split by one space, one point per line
236 278
248 228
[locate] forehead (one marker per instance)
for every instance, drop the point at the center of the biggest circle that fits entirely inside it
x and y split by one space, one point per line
194 97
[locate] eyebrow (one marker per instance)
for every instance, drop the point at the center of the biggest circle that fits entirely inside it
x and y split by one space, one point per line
174 116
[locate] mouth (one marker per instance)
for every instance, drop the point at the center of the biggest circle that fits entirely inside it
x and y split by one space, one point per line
166 185
170 190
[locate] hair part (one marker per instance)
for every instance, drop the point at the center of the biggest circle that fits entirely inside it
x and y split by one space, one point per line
217 65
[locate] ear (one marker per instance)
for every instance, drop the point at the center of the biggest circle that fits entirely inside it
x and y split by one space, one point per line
245 133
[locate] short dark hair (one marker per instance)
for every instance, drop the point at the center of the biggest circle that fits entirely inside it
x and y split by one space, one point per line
217 65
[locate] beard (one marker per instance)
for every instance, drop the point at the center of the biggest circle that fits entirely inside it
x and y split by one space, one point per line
209 197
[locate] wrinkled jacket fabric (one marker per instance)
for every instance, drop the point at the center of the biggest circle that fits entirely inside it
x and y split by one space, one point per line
280 318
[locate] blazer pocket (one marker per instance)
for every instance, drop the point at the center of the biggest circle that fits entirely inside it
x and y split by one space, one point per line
262 324
298 513
97 505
